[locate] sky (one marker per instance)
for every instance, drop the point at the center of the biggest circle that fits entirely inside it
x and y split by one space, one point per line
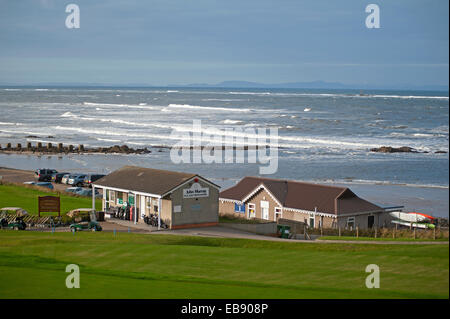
163 42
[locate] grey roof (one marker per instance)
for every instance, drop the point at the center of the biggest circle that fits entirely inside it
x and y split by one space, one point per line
145 180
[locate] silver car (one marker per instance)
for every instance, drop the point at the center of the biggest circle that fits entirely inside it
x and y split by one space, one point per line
76 180
65 179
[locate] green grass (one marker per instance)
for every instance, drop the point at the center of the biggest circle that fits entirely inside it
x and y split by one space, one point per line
27 198
379 238
129 265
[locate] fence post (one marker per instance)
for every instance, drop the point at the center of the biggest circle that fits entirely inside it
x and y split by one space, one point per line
393 231
434 233
376 232
339 231
414 232
357 232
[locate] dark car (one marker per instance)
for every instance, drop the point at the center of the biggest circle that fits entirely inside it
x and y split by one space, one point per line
44 174
57 177
92 178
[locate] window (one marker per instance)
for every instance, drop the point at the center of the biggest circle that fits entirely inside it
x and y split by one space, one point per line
155 205
351 222
251 211
239 208
277 213
311 221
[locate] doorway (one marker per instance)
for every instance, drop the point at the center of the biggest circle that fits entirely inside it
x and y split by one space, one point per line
370 221
264 210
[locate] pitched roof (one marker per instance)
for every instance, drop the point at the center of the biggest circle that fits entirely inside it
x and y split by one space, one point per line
304 196
145 180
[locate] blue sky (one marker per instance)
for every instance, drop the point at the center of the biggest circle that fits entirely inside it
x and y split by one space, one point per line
205 41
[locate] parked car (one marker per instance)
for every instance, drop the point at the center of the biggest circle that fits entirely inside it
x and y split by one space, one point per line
88 192
76 180
57 177
44 174
42 184
65 178
92 178
73 189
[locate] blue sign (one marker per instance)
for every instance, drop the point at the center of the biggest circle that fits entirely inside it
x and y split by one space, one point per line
239 208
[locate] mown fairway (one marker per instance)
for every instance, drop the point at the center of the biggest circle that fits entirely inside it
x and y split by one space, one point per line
32 265
27 198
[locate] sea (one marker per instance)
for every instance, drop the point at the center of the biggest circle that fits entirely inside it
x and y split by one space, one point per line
324 136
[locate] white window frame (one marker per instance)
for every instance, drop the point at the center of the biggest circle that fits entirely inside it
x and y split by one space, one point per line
112 197
253 207
313 218
148 202
351 220
278 211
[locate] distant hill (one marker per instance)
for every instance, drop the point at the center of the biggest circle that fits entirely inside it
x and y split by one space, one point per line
315 85
248 84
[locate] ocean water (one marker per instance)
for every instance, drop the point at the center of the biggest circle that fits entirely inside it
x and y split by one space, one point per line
324 135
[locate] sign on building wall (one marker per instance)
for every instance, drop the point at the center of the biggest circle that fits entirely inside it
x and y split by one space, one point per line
177 209
196 190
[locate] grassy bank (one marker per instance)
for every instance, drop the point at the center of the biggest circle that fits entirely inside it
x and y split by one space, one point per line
167 266
378 239
26 197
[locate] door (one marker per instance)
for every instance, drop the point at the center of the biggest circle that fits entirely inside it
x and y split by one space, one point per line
370 221
142 206
311 221
251 210
264 210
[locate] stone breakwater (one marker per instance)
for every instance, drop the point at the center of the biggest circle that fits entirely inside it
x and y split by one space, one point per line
60 148
403 149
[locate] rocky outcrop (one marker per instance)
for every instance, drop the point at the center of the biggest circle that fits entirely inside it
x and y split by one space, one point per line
71 149
390 149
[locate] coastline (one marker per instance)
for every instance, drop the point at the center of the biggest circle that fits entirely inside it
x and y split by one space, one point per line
432 199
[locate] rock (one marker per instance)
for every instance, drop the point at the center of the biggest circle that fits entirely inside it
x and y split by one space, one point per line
114 149
440 152
390 149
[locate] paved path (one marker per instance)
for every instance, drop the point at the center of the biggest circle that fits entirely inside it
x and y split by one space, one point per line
225 232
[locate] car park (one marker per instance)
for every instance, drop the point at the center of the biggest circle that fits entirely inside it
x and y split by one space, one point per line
57 177
76 180
44 174
92 178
